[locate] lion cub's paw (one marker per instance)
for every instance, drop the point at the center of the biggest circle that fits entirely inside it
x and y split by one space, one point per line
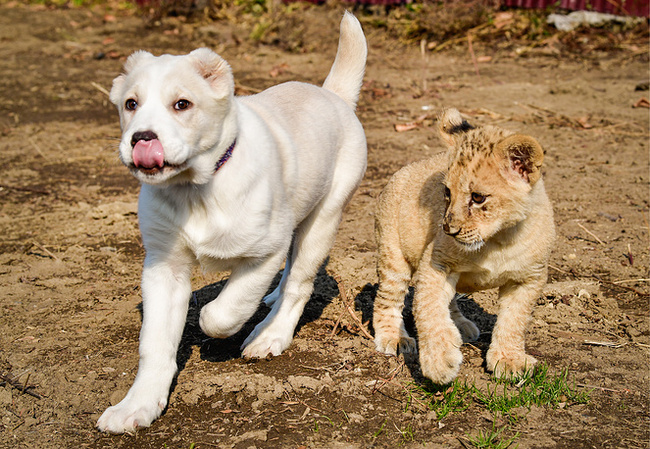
440 357
391 344
504 364
441 367
468 329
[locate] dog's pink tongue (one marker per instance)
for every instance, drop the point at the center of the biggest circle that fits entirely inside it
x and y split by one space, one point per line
148 154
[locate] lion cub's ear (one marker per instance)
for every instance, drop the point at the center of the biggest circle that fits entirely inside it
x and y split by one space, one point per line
524 155
451 124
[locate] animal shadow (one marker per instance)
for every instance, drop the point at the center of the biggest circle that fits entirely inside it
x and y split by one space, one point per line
221 350
485 321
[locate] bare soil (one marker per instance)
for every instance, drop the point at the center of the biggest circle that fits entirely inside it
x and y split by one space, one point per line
71 255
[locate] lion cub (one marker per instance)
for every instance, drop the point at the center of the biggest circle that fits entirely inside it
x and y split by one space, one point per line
473 218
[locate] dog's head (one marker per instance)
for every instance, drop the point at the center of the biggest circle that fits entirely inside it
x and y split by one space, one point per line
175 114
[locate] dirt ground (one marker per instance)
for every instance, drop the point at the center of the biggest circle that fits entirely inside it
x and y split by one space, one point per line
71 255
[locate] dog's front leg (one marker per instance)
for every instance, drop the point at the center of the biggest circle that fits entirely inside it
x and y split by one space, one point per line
165 296
240 298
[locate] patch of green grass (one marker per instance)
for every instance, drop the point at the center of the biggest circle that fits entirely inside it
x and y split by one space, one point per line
381 429
406 435
260 29
255 7
503 397
329 420
445 399
534 388
492 439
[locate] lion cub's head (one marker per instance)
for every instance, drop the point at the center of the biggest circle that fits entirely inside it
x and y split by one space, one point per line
491 174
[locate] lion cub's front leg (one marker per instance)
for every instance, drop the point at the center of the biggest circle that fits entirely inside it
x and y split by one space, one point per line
439 338
507 353
391 336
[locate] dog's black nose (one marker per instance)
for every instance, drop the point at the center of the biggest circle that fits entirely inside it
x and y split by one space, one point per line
142 135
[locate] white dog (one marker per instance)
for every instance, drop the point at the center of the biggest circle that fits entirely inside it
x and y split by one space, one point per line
233 183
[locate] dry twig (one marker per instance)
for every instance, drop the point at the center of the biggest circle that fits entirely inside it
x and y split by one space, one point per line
45 250
100 88
24 189
602 388
471 53
590 233
385 381
632 289
608 344
23 388
344 298
624 281
617 284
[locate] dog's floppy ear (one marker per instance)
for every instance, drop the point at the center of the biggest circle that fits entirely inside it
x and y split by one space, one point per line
524 156
214 69
116 91
131 62
451 124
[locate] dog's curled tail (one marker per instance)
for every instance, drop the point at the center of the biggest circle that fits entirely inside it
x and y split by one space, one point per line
346 74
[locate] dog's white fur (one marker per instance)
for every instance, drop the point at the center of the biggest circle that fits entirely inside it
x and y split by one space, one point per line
300 154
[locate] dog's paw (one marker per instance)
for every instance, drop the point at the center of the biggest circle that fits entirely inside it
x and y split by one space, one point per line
264 341
440 356
391 344
129 415
509 363
468 329
216 324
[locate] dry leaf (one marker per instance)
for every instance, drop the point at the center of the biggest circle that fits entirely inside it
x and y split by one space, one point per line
503 19
278 70
584 122
401 127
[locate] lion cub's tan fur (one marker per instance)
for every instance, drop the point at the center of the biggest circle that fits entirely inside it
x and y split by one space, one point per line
473 218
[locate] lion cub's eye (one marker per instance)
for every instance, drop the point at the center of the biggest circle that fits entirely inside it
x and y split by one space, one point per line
131 104
181 105
477 198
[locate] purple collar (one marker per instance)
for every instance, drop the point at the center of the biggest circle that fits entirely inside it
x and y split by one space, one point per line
225 156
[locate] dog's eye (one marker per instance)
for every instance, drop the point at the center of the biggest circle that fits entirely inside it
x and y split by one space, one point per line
447 193
181 105
477 198
131 104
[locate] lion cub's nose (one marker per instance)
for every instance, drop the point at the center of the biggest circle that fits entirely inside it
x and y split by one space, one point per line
143 135
450 230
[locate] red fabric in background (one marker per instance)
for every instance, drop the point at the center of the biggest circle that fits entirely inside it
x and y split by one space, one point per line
640 8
